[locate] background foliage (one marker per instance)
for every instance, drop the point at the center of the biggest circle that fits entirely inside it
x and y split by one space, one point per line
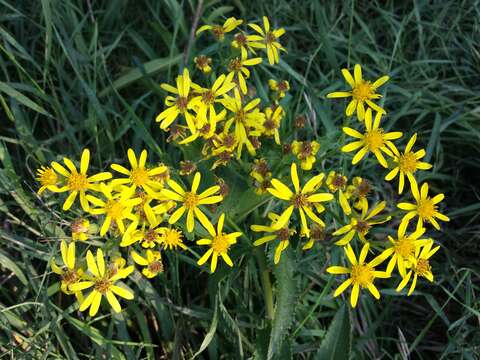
86 73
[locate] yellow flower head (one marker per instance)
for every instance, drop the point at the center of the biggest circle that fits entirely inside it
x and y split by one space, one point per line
268 39
306 152
78 183
203 63
219 31
362 93
271 125
302 199
152 263
238 67
280 87
260 170
338 182
358 192
373 140
103 283
117 207
139 175
425 207
406 164
419 267
360 224
241 41
148 236
282 235
219 243
171 238
361 274
191 201
69 273
80 228
48 179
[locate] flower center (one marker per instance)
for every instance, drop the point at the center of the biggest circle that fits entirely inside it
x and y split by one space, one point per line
155 267
426 208
181 103
408 162
405 247
220 243
69 277
317 232
241 39
235 65
361 275
423 267
283 234
203 61
208 97
218 32
80 226
362 227
270 124
190 200
172 237
77 182
240 116
363 188
102 285
374 139
299 200
339 181
139 176
270 37
114 209
306 149
283 86
362 91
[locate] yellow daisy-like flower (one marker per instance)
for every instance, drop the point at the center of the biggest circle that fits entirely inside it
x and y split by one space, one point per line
360 224
268 39
362 274
407 163
248 121
191 201
78 183
103 283
362 93
48 179
338 182
302 199
70 274
148 236
203 63
139 175
219 31
420 267
358 191
280 87
241 41
403 248
171 238
152 263
116 208
425 207
219 243
179 105
271 125
80 228
373 140
238 67
282 235
306 152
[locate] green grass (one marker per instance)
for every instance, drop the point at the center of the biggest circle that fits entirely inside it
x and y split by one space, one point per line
86 73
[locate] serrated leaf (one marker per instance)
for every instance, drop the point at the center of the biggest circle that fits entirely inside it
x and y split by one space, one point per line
337 343
286 296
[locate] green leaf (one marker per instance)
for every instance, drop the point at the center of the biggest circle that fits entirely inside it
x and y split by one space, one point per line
337 343
18 96
10 264
211 331
286 295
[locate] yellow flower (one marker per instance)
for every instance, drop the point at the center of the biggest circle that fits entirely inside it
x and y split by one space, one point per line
363 92
77 183
373 140
281 87
403 248
80 228
305 151
268 39
71 274
149 237
248 121
420 267
179 105
203 63
361 223
358 192
425 207
139 175
171 238
282 235
48 179
260 170
241 41
145 212
219 243
337 182
219 31
302 199
362 274
103 283
271 125
238 66
152 263
116 208
407 163
191 201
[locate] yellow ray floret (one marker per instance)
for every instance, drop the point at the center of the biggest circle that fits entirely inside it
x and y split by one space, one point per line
219 31
267 39
152 262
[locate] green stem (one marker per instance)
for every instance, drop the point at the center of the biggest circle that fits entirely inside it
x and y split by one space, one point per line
266 284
